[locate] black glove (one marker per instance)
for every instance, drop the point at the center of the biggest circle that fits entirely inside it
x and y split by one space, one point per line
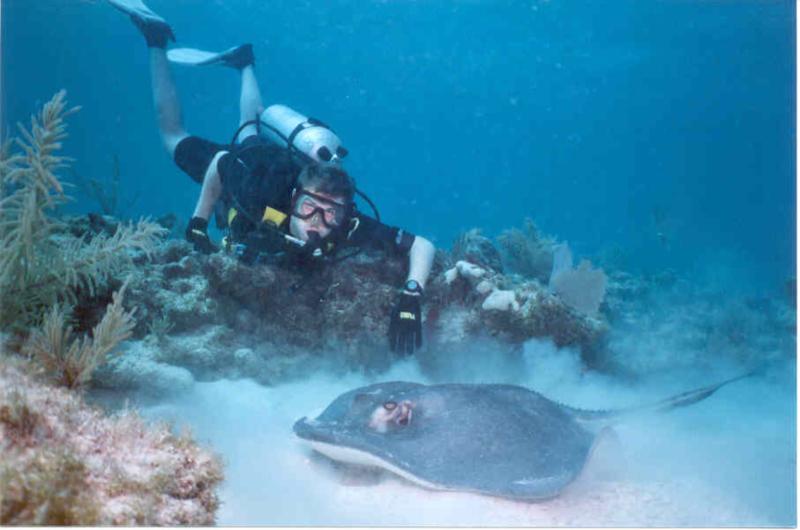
197 235
405 328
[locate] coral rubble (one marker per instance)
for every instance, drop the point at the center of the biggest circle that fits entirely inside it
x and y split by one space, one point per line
65 463
62 462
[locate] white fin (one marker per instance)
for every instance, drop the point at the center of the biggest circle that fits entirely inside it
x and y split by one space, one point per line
192 57
136 8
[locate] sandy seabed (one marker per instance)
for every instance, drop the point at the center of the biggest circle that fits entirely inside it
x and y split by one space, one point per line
728 461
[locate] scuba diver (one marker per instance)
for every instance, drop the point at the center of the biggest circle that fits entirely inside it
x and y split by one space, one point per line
278 188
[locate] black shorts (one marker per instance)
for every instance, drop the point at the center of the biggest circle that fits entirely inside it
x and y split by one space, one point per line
193 155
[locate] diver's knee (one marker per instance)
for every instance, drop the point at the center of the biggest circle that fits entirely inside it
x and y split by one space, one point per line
171 142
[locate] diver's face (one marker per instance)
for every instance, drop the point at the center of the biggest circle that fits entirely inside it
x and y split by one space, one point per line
305 205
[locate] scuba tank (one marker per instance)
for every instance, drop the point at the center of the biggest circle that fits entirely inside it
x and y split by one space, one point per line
300 134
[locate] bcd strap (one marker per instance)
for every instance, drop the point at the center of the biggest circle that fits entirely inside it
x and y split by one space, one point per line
273 216
354 224
303 125
300 127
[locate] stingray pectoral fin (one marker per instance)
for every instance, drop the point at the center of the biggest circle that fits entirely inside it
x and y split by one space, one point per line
353 456
539 488
523 489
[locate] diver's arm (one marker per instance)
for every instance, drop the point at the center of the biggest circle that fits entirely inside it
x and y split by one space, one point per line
405 323
211 190
420 260
197 229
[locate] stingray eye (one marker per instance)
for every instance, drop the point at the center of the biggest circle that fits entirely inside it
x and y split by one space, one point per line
390 405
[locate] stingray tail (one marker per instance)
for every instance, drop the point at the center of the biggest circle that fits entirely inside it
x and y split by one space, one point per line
665 405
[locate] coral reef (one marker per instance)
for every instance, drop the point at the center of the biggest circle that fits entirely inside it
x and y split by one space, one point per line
499 300
582 288
64 463
219 318
515 310
72 361
662 322
527 252
473 247
138 368
41 263
49 274
228 319
61 462
270 323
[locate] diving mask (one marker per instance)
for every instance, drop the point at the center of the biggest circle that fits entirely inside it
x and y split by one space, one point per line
306 205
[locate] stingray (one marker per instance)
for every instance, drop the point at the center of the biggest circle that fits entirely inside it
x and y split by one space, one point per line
499 440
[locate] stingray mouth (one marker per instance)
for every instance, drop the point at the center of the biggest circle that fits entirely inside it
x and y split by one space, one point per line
322 438
328 439
316 431
308 430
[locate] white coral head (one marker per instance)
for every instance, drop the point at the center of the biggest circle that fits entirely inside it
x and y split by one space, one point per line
500 300
470 270
485 287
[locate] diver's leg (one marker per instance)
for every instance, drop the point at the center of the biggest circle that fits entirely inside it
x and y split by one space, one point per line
157 33
165 98
250 105
239 58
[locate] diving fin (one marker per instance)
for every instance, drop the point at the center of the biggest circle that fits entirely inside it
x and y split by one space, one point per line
237 57
154 28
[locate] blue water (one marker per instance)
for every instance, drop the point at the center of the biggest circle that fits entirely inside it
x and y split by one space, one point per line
606 122
662 132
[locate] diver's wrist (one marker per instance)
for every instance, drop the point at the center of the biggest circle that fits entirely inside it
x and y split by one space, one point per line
413 287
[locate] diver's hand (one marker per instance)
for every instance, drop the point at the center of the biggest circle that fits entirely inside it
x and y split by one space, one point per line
197 235
405 327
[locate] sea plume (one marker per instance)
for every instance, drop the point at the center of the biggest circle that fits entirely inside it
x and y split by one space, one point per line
41 263
72 360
